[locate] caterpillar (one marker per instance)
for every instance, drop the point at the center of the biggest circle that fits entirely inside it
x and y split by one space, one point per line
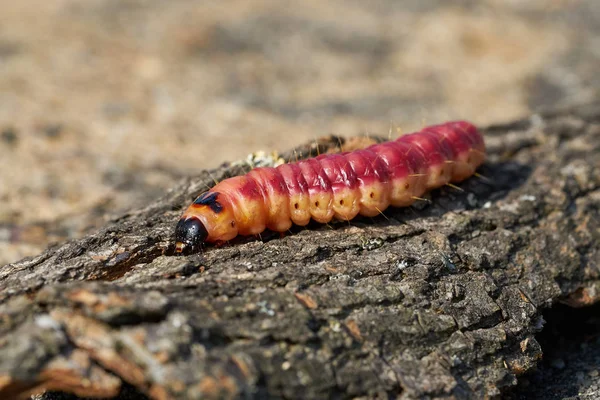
332 186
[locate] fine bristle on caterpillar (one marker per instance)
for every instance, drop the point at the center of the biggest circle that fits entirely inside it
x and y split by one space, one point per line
332 186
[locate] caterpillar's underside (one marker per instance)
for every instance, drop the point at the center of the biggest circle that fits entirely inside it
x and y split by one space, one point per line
339 186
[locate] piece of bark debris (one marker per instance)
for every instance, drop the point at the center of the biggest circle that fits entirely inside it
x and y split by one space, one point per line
445 305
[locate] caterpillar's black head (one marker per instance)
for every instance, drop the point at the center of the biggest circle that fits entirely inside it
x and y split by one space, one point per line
190 233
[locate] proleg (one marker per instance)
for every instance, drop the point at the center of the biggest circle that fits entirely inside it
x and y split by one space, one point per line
333 186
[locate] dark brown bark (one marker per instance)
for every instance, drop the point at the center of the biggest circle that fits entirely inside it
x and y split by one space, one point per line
441 300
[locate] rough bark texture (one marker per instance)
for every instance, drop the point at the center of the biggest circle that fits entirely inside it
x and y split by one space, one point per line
571 365
441 300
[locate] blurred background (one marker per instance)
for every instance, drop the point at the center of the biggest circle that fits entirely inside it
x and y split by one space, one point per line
105 104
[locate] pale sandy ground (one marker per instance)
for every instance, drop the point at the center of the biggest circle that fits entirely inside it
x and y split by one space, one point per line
104 105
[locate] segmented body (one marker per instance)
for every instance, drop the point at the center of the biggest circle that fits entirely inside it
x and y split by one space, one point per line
333 186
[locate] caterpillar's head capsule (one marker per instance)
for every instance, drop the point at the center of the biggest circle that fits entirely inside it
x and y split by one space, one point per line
190 233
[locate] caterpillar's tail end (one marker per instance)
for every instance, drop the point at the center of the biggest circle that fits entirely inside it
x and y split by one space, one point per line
190 233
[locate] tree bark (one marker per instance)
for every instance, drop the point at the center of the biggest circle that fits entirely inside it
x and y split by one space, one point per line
442 299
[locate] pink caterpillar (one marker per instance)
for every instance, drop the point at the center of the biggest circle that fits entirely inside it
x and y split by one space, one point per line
339 186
